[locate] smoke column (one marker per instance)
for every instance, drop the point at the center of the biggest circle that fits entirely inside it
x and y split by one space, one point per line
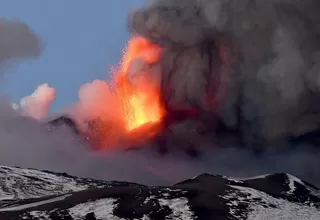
260 59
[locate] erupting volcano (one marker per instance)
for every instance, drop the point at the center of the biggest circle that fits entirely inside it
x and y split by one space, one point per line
136 94
195 75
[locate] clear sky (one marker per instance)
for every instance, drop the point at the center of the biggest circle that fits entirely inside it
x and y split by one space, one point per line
82 39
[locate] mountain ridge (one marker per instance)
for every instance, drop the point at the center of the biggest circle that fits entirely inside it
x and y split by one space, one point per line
47 195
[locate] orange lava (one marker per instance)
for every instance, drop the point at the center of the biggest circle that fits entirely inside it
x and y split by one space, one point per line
136 109
140 100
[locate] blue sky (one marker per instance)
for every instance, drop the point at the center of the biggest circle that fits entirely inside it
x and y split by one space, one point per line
82 39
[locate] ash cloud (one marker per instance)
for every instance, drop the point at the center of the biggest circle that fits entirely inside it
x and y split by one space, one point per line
259 58
25 142
252 64
17 41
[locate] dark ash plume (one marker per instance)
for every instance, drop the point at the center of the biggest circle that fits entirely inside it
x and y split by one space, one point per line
260 58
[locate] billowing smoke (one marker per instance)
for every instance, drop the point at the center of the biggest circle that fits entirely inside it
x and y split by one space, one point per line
37 105
95 100
17 42
255 64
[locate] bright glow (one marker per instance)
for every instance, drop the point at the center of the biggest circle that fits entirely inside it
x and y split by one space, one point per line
141 100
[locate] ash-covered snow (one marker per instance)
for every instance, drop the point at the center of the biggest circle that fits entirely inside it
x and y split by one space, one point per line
292 181
39 215
255 177
179 207
264 206
102 209
49 196
18 183
33 204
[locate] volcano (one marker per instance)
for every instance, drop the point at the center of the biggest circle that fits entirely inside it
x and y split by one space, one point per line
188 75
189 82
140 111
194 77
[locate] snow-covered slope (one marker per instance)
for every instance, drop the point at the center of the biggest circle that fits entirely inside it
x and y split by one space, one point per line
45 195
17 183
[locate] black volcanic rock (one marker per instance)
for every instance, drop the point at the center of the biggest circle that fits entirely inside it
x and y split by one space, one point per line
63 122
33 194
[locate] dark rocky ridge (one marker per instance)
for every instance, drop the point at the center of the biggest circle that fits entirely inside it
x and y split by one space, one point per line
274 196
64 122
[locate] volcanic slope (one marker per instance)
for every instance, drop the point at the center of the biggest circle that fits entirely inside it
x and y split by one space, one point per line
33 194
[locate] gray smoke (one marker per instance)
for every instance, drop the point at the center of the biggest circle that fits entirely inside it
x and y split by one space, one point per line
259 58
26 142
17 41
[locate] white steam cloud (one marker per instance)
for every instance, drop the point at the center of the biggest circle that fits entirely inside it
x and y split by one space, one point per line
96 100
37 105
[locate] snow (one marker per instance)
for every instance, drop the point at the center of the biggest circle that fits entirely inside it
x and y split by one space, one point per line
40 215
173 190
34 204
165 194
239 180
292 180
260 208
233 179
256 177
18 183
179 207
102 209
148 199
195 176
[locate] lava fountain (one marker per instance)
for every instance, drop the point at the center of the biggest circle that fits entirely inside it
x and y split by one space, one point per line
139 93
136 93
